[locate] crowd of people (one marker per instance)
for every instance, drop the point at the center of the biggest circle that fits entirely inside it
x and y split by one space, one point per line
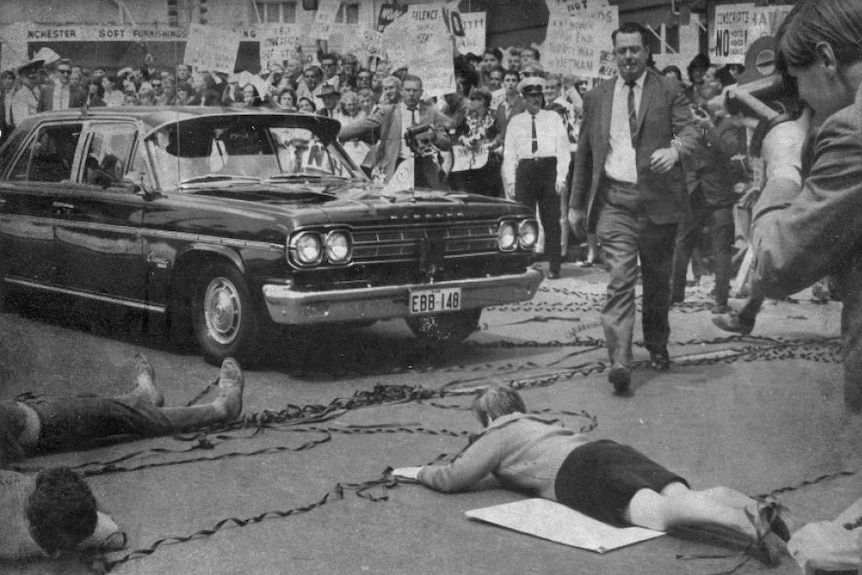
638 166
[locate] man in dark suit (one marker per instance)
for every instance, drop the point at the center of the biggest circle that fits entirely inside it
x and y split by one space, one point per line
392 121
628 185
61 93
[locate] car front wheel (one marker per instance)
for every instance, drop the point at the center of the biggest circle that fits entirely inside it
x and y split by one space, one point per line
226 323
442 328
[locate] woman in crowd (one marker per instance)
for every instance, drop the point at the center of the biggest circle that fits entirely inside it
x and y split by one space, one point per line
250 96
478 130
605 480
110 95
285 101
349 112
186 95
367 101
306 105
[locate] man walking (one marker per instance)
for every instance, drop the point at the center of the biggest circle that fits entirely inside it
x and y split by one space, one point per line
629 186
536 163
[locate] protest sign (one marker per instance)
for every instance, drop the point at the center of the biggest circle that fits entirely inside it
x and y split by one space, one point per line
575 41
737 26
470 158
364 43
388 14
278 42
211 49
324 19
431 60
473 39
573 6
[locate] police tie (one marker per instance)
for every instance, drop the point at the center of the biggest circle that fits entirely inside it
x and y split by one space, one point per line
535 147
633 113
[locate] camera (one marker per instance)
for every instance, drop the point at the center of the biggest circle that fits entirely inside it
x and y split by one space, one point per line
420 139
699 112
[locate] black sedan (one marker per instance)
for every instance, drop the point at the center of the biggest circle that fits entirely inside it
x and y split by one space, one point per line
231 221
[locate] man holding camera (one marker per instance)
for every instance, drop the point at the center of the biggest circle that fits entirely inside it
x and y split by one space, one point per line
408 130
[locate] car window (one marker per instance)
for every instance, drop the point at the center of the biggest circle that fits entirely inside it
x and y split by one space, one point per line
108 153
50 155
301 151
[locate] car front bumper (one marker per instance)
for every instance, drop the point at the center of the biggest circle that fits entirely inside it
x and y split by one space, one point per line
291 307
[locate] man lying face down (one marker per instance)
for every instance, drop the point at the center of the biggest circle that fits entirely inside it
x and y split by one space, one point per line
51 513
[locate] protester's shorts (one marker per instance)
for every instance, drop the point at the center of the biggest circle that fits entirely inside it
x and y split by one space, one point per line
87 420
600 478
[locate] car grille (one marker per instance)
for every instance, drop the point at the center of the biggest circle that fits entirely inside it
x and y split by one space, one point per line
408 242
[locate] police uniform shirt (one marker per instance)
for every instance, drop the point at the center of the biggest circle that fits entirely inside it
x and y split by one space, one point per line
552 139
620 163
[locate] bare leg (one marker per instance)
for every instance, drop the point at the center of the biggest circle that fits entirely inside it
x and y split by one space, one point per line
677 506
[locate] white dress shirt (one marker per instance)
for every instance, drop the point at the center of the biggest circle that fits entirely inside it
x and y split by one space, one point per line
25 103
621 162
61 96
407 122
553 142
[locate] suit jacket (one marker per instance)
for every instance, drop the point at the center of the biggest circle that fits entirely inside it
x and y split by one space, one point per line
387 121
77 97
800 236
664 116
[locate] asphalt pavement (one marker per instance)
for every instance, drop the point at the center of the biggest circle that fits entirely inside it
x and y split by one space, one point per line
297 487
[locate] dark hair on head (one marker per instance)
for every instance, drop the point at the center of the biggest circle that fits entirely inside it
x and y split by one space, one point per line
512 72
699 61
836 22
495 402
673 69
309 100
61 510
469 76
7 74
495 52
535 52
185 87
287 90
481 94
632 28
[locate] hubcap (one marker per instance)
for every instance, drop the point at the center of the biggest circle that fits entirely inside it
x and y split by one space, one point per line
222 310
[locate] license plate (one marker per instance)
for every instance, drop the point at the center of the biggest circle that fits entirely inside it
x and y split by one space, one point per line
435 300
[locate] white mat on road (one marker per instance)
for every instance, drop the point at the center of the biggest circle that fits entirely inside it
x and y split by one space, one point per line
561 524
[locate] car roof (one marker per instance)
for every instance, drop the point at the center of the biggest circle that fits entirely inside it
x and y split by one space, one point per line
155 116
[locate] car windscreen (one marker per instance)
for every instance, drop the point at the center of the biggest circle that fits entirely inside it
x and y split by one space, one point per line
236 150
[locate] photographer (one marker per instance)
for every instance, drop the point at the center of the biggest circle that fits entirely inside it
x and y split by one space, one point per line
803 231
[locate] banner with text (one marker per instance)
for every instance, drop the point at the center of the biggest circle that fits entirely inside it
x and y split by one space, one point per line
213 49
431 60
737 26
572 7
579 42
473 39
278 42
464 158
324 19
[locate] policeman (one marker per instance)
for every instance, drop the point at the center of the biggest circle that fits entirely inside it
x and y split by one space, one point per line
536 162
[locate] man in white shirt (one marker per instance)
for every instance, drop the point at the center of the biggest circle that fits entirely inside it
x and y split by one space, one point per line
61 94
536 163
25 101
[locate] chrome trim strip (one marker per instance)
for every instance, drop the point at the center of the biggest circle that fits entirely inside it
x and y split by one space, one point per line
148 233
87 295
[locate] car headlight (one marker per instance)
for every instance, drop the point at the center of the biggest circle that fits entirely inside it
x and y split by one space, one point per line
507 236
528 233
307 248
338 247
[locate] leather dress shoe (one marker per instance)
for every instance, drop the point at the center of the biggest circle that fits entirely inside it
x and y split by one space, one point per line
620 376
659 360
553 274
733 323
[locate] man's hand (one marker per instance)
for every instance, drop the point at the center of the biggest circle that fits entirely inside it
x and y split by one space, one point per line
578 221
560 187
663 160
826 545
406 472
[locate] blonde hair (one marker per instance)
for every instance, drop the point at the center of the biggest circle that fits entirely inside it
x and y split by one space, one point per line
495 402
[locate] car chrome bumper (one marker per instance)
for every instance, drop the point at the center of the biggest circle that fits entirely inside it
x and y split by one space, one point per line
291 307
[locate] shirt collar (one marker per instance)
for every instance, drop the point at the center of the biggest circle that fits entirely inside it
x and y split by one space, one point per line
639 82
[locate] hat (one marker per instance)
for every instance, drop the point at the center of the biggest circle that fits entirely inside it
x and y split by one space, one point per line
328 90
30 67
532 85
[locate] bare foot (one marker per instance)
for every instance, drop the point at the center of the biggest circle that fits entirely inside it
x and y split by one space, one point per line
145 378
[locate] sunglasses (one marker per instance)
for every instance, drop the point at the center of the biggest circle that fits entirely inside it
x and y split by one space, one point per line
527 74
156 84
64 71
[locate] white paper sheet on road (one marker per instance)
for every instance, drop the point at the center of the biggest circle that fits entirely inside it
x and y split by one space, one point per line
558 523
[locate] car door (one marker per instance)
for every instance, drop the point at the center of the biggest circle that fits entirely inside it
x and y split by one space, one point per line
31 195
98 229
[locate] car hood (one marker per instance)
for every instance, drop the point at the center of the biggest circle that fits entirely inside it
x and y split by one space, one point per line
313 203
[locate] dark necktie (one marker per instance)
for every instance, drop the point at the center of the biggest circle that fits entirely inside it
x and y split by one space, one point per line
412 116
535 137
633 113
